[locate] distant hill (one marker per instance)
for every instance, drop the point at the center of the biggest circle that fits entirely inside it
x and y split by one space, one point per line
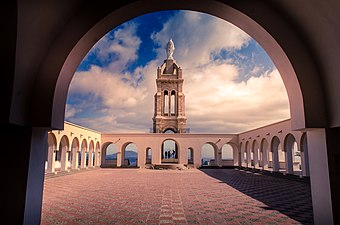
130 155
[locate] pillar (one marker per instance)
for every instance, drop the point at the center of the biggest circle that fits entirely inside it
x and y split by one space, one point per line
51 160
23 187
264 159
141 157
276 163
256 157
289 161
120 157
74 152
304 158
83 158
321 176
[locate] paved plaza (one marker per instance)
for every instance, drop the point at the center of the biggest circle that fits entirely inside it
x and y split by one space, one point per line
209 196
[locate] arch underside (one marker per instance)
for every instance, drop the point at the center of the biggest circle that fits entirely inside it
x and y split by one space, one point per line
300 78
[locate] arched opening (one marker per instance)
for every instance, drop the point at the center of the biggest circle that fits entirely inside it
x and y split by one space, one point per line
208 155
293 156
130 155
170 151
227 155
300 105
90 160
173 103
62 156
52 150
110 153
148 155
225 12
190 155
304 155
75 153
264 154
166 103
83 154
169 131
255 150
247 156
275 157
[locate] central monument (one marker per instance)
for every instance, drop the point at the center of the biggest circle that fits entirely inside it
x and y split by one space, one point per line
169 108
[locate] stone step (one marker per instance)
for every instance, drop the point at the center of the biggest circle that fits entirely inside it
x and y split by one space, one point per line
68 172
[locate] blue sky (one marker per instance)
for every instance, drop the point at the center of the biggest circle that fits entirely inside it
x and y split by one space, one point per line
229 79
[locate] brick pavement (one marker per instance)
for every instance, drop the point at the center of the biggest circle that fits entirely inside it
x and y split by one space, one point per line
210 196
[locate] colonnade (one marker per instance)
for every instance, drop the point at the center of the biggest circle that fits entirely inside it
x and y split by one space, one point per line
275 148
73 148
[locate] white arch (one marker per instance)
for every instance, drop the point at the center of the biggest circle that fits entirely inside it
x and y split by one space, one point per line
265 153
275 145
52 148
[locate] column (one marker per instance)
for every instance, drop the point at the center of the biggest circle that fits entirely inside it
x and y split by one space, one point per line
289 161
141 157
256 157
74 158
63 158
265 159
304 158
276 163
120 158
324 174
23 185
183 153
83 158
50 160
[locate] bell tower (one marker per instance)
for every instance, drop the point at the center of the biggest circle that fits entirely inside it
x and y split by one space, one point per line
169 109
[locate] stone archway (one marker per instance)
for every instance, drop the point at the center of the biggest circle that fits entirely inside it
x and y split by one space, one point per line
170 151
294 45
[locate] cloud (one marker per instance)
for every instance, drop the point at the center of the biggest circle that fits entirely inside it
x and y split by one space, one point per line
197 36
71 111
217 101
117 49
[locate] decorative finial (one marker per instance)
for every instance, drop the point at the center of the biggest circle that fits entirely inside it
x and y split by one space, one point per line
170 48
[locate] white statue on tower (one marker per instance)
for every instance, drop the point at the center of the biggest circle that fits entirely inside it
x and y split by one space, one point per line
170 48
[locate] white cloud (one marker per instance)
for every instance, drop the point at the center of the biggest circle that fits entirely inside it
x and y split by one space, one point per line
215 101
71 111
197 36
120 48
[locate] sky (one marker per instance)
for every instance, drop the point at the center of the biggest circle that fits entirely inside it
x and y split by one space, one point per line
230 83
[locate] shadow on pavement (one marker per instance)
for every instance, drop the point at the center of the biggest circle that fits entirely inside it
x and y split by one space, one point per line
292 198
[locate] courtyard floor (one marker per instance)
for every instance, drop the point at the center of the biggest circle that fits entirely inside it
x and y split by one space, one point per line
209 196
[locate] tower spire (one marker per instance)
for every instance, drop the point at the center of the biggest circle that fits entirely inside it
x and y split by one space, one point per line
170 48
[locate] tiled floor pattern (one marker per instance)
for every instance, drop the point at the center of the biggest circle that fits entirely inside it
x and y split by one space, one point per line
211 196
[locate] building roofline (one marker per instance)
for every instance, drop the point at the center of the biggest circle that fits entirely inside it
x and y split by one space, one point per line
268 125
85 128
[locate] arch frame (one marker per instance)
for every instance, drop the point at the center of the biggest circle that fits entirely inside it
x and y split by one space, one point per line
67 51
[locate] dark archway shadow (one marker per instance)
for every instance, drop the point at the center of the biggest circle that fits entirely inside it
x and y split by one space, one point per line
290 197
